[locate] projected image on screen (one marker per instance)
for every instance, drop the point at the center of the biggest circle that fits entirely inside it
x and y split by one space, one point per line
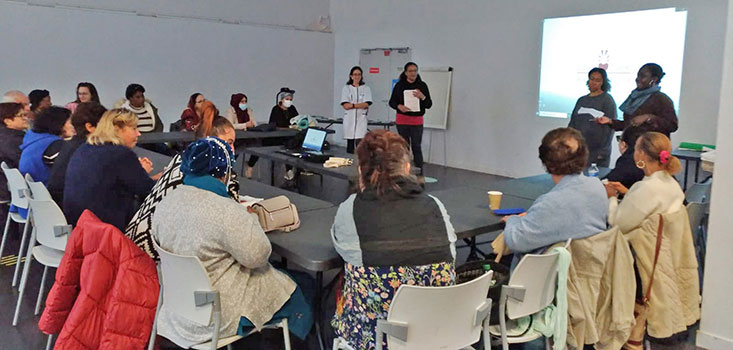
618 42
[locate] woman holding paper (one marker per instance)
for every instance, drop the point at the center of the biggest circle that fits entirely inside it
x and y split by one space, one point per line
597 104
410 98
647 103
356 98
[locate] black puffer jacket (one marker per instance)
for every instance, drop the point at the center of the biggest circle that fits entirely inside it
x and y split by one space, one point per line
10 140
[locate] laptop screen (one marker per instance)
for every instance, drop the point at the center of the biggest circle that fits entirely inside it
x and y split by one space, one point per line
314 139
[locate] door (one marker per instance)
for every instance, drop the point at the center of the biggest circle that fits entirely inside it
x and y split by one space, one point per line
382 68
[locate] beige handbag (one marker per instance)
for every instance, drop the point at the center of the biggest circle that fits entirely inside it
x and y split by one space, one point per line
277 213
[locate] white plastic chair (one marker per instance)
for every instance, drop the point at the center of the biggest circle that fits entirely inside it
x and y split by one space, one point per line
420 317
531 289
697 214
52 232
699 192
185 285
18 197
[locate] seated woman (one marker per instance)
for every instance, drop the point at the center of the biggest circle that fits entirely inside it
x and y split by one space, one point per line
138 229
625 170
12 129
104 175
242 117
658 192
674 303
200 219
42 144
84 120
577 207
389 233
191 116
280 116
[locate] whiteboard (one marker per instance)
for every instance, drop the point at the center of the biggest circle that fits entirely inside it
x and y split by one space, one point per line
439 83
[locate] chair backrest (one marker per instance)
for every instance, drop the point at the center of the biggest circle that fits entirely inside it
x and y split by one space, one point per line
537 274
439 317
50 224
181 276
696 214
38 189
699 192
17 187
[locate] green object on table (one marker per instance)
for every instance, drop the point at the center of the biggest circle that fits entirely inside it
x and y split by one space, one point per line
487 267
695 146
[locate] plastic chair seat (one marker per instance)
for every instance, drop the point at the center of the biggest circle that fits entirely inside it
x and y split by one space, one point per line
220 344
17 218
47 256
526 337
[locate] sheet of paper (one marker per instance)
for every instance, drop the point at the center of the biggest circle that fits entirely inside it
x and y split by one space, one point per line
411 102
592 111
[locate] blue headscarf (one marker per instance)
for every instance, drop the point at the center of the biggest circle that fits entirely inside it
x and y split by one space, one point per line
206 159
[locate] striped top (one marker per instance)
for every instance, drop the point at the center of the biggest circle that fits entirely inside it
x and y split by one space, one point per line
146 120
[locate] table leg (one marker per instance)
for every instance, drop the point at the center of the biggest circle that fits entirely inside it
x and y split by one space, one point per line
687 166
697 169
318 311
473 253
272 173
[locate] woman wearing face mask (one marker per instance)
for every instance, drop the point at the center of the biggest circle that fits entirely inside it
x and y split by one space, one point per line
647 103
597 136
242 117
409 122
284 109
280 116
191 116
356 98
104 175
85 92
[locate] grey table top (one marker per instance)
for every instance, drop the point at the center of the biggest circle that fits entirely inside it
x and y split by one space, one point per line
180 136
160 161
469 210
531 187
310 245
260 190
271 153
687 154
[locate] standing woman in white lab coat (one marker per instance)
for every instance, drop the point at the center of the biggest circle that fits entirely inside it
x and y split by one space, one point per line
356 98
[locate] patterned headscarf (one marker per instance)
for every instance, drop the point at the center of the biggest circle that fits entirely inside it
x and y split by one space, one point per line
208 156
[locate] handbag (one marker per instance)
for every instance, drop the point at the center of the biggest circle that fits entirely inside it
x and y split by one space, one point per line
277 213
641 308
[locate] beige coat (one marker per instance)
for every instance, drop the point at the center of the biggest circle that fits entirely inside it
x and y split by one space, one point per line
601 291
674 302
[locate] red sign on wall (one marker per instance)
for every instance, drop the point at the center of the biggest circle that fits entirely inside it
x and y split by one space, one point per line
373 70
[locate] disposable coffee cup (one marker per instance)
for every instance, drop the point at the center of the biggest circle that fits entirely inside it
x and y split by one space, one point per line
494 199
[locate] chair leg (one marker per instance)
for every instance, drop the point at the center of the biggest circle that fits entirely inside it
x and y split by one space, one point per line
5 233
49 341
286 333
502 319
24 278
547 344
26 227
41 290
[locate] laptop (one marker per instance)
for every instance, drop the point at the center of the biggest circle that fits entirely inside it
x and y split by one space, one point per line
312 145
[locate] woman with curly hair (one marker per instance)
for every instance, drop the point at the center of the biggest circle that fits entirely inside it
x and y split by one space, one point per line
577 207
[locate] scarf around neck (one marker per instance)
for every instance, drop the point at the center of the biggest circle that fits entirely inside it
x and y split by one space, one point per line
207 183
637 98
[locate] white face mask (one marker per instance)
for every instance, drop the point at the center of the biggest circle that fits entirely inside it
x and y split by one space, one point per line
287 103
243 106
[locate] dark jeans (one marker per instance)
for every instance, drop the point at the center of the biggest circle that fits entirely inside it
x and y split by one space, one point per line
413 135
351 145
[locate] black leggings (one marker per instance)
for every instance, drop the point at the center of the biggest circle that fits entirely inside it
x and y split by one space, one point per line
351 145
413 135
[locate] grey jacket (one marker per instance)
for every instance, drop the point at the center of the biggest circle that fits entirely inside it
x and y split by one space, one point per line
234 251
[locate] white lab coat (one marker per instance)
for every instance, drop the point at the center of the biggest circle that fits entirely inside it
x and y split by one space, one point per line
355 120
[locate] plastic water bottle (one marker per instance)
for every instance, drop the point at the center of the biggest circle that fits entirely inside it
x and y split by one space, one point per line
593 170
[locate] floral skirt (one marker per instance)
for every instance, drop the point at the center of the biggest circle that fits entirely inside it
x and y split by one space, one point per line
367 293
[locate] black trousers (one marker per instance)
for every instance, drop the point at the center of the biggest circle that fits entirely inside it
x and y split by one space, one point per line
413 135
351 145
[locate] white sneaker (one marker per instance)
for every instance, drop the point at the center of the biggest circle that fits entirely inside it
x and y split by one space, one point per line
289 175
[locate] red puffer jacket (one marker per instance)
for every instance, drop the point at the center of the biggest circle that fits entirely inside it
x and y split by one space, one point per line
105 293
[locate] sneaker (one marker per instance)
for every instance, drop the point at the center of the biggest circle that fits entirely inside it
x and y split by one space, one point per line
289 175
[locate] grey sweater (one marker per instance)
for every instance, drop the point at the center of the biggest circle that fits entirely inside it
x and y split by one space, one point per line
234 251
598 137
